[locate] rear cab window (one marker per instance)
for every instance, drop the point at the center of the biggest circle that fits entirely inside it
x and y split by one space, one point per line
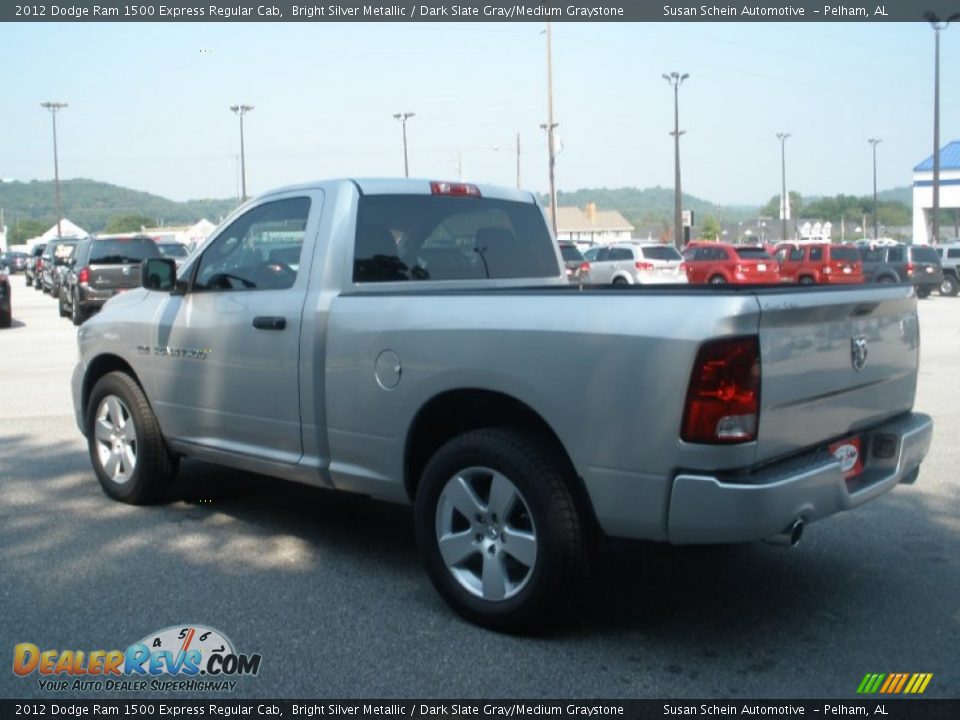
844 254
664 252
121 251
428 237
752 253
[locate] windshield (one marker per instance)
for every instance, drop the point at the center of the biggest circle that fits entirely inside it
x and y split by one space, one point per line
570 253
118 251
173 250
753 253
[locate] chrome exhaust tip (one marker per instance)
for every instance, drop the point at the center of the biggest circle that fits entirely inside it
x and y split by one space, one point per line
790 537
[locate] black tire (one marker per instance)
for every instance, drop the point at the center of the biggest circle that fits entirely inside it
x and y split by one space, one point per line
924 292
116 402
718 280
26 280
619 281
885 280
37 284
806 280
62 304
541 509
6 317
949 286
76 313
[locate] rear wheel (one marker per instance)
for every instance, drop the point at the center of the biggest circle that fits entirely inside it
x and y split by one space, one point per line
619 281
806 280
924 292
718 280
949 286
126 448
6 316
499 530
76 313
62 304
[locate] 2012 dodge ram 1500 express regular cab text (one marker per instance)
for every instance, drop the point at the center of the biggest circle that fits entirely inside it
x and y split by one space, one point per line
417 341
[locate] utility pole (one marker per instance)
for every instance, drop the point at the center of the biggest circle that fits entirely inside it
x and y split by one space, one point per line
937 26
241 110
518 161
784 198
403 117
550 126
676 79
55 107
874 142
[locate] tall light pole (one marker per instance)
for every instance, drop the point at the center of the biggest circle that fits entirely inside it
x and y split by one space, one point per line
518 161
403 117
676 79
874 142
54 107
241 110
784 199
550 126
937 26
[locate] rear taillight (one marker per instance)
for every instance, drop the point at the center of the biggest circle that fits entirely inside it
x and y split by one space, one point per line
827 270
452 188
683 267
84 275
910 268
643 265
723 399
738 269
584 267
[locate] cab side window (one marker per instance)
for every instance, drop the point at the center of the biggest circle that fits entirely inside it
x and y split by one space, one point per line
260 250
816 254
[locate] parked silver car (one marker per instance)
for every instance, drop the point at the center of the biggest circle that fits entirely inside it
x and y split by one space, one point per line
638 264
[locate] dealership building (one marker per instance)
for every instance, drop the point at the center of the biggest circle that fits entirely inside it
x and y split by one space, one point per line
949 194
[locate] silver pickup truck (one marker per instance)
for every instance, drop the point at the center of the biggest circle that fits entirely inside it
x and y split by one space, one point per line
418 342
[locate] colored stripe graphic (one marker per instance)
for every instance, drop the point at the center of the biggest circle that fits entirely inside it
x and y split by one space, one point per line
894 683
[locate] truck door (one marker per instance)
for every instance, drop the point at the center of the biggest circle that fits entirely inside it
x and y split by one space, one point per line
227 351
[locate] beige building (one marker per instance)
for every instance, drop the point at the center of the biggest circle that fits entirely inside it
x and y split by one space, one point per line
591 226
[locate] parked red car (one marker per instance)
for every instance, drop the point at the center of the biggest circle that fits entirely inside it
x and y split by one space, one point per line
717 262
819 263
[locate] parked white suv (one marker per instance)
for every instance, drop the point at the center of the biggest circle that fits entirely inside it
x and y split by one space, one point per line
638 264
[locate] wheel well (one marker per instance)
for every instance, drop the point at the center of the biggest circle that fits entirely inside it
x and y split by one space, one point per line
456 412
100 366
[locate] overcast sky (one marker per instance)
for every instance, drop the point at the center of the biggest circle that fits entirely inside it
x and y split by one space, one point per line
149 103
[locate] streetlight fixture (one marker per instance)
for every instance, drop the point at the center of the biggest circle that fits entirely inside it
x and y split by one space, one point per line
676 79
550 126
874 142
403 117
784 200
54 107
937 24
241 110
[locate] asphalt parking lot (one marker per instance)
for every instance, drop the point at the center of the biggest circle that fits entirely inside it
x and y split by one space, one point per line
329 589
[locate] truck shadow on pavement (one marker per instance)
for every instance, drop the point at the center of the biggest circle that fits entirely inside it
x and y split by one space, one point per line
857 569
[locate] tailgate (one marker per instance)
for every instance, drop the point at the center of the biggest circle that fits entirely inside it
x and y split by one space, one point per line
108 277
833 363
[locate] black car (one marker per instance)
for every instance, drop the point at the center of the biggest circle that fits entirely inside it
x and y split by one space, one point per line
32 268
56 258
6 311
14 261
101 268
918 265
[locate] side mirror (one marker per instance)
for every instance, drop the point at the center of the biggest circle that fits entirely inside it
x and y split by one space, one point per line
158 274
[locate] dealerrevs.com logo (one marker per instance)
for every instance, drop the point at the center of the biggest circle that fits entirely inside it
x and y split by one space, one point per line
178 658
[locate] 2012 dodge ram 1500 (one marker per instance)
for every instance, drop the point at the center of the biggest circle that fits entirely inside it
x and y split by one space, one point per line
417 341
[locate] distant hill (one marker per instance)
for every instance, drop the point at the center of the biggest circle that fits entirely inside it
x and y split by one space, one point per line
651 206
90 204
898 194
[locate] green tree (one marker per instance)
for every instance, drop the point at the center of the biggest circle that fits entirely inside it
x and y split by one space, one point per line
127 223
710 230
25 229
772 208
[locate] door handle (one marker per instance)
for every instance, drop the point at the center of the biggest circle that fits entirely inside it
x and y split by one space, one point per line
269 322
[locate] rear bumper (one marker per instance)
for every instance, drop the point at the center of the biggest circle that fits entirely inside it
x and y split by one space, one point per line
726 509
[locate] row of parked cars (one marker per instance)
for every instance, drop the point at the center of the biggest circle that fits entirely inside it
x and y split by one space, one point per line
83 273
927 268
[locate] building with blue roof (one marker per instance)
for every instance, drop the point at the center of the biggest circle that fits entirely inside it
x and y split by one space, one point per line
923 194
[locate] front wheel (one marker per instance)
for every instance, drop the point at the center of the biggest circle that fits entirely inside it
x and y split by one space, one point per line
76 313
806 280
499 531
718 280
62 304
126 447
